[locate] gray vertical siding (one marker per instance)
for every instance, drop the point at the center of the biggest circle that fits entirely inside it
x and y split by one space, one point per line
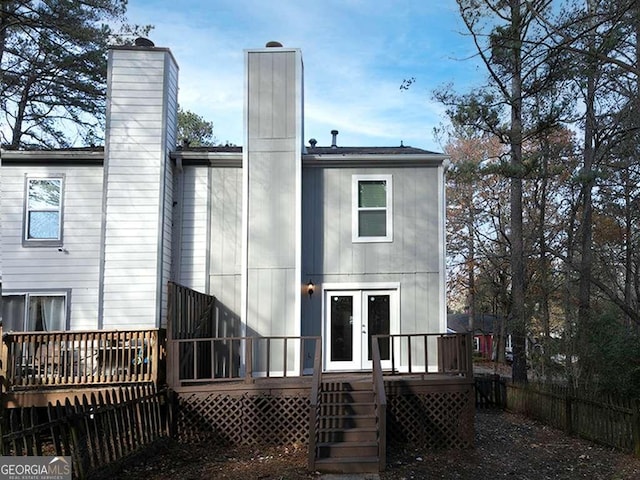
207 237
272 158
413 258
225 263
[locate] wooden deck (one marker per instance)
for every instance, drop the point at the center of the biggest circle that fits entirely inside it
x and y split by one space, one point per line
252 390
38 368
346 418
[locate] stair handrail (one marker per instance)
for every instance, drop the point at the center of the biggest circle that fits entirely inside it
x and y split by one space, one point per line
314 408
380 399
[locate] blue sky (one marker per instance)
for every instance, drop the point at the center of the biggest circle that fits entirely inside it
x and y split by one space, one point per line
355 52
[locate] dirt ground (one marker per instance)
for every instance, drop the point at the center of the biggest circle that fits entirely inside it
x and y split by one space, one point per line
507 446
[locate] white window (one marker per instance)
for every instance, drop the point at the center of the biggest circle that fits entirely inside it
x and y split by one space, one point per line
43 211
35 312
372 199
476 344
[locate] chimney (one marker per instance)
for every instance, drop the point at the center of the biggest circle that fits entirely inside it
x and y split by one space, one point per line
334 135
142 94
272 222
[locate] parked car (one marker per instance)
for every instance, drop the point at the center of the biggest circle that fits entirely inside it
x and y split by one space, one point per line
508 357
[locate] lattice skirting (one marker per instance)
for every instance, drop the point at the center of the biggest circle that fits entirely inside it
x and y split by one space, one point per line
435 420
245 419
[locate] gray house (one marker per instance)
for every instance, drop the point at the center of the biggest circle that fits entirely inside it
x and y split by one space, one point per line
292 238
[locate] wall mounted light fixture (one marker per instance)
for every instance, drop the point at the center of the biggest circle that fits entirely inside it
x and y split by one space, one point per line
310 288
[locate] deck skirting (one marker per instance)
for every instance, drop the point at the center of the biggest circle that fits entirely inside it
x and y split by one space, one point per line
243 419
432 413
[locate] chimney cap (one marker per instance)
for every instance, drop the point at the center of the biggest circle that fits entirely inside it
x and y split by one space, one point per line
273 44
143 42
313 142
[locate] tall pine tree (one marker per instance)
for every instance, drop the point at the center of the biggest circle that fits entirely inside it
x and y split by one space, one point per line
53 69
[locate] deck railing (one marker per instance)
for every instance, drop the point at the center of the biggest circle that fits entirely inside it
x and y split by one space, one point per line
36 360
203 360
417 353
380 397
314 407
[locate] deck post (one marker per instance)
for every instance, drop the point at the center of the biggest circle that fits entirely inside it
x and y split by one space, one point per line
172 367
468 355
248 360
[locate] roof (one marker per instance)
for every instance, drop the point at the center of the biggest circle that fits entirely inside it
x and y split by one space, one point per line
401 150
232 156
76 156
210 149
484 323
339 157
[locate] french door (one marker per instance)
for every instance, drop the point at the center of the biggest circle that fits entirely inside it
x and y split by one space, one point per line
352 317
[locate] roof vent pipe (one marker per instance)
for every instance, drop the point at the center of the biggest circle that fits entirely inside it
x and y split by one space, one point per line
313 142
334 135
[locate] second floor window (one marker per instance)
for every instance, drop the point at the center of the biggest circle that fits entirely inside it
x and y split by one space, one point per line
372 208
43 211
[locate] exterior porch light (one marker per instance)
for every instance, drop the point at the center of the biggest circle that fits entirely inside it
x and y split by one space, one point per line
310 288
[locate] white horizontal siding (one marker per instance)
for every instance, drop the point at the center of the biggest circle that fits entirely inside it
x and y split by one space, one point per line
27 269
192 234
138 137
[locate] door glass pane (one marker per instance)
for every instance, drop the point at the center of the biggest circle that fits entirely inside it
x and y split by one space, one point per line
341 328
378 316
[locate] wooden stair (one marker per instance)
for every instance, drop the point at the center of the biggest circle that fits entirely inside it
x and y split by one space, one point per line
347 428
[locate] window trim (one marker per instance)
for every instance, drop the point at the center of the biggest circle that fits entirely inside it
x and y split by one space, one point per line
355 217
48 242
27 294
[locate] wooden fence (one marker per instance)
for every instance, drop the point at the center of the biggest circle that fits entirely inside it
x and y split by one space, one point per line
610 421
95 431
491 391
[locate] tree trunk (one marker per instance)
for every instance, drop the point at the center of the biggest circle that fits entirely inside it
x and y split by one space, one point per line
519 370
545 278
471 262
588 180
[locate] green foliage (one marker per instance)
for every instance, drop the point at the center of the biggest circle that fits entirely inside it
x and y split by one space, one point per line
53 68
609 355
194 130
478 110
